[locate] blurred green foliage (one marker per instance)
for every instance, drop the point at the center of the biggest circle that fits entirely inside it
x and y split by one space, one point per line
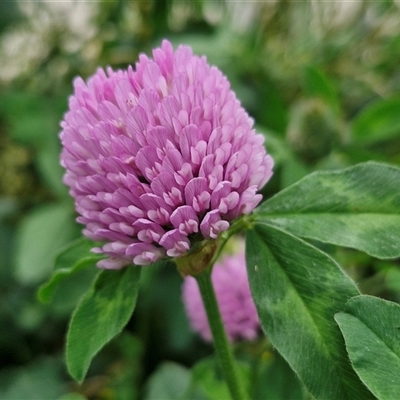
321 80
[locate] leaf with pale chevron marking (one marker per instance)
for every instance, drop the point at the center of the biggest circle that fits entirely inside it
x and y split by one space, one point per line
297 290
357 207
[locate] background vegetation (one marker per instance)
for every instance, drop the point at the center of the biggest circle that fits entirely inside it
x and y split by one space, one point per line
322 81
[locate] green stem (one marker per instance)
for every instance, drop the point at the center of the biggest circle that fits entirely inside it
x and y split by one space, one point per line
221 343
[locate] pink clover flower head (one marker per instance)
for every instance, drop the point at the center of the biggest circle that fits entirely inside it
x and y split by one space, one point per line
238 312
159 156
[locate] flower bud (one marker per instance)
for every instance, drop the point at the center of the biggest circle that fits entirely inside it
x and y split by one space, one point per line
313 130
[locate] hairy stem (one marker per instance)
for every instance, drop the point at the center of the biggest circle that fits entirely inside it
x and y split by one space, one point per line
221 344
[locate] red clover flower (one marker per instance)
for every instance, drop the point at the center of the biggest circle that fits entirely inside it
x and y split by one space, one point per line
238 312
159 157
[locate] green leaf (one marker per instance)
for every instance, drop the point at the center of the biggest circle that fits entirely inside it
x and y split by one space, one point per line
392 278
165 297
376 122
40 236
277 145
71 259
276 380
297 290
75 252
357 207
7 235
127 352
371 329
49 167
292 171
28 115
168 382
276 118
70 291
317 84
102 314
208 382
40 379
34 121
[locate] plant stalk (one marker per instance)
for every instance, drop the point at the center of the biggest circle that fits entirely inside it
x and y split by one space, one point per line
221 344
